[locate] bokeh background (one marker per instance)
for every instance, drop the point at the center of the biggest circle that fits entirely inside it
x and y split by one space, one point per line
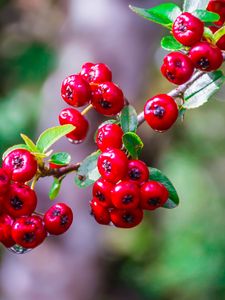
173 254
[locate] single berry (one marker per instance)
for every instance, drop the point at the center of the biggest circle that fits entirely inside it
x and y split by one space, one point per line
107 98
5 179
22 164
125 195
161 112
219 8
126 218
22 200
58 218
28 232
188 29
100 213
109 135
177 67
153 195
96 73
74 117
76 91
102 192
206 57
137 171
6 223
113 165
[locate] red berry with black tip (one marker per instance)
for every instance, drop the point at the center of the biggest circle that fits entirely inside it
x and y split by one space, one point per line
109 135
28 232
100 213
125 195
218 7
58 218
74 117
113 165
126 218
161 112
102 192
22 164
153 195
206 57
188 29
5 179
107 98
6 223
177 67
76 91
96 73
138 171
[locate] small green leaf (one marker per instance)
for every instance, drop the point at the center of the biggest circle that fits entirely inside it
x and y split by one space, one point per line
30 144
133 144
192 5
208 34
88 173
55 188
128 119
111 121
52 135
170 43
219 33
19 146
206 16
164 14
157 175
60 158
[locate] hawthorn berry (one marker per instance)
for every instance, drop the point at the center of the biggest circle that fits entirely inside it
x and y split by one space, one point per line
22 164
76 91
74 117
126 218
5 179
6 223
113 165
100 213
125 195
206 57
160 112
58 218
153 195
137 171
109 135
219 8
177 67
102 191
96 73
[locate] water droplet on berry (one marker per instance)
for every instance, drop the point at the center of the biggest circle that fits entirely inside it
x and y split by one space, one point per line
17 249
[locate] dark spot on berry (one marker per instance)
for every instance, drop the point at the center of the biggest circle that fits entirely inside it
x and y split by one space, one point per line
29 237
3 178
105 104
203 63
100 137
159 111
154 201
100 196
64 220
28 222
178 64
107 166
128 218
56 212
182 27
135 174
18 162
127 199
170 75
16 203
69 93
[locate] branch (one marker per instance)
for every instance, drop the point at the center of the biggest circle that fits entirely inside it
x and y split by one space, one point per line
45 172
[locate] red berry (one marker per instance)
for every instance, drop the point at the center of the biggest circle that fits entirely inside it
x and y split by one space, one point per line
6 230
58 218
102 192
161 112
76 91
219 8
107 98
55 166
22 200
206 57
5 178
177 67
96 73
74 117
188 29
153 195
113 165
126 218
137 171
109 135
22 164
100 213
28 232
125 195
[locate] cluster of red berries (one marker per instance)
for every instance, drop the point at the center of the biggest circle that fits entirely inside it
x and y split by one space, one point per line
19 223
124 189
93 85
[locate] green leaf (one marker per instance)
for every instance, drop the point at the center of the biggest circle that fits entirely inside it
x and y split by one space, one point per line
202 89
157 175
30 144
206 16
192 5
51 135
60 158
164 14
88 173
133 144
128 119
19 146
219 33
55 188
208 34
170 43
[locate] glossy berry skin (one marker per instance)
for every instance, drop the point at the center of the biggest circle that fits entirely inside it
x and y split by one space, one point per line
28 232
107 98
22 200
58 218
76 91
188 29
102 191
125 195
126 218
74 117
113 165
5 179
109 135
219 8
100 213
160 112
96 73
206 57
22 164
6 223
177 68
153 195
137 171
